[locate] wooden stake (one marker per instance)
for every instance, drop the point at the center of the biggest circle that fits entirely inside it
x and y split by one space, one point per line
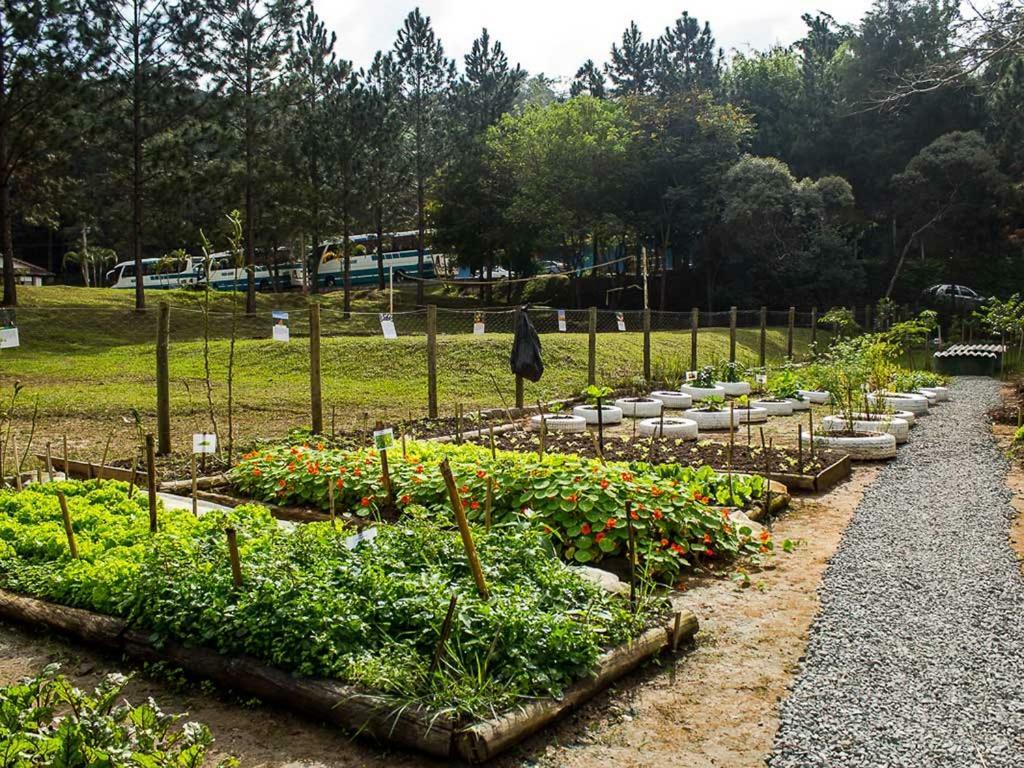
800 447
600 429
17 462
464 531
732 443
446 630
597 447
334 432
151 480
49 462
632 554
135 473
72 544
195 498
67 461
810 433
458 424
768 476
330 501
236 563
489 503
542 444
103 459
494 450
388 495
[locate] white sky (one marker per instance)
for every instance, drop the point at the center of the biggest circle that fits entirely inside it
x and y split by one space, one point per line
556 36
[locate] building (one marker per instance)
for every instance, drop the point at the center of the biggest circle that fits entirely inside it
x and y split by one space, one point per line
26 273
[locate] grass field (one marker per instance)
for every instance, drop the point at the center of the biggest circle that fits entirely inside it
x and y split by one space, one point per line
87 359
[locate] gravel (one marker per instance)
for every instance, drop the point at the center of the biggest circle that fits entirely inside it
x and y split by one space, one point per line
917 656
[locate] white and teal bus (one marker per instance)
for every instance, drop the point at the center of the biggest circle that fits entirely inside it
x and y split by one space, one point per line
400 258
190 271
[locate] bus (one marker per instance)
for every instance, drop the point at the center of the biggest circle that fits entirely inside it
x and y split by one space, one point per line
401 258
157 273
225 276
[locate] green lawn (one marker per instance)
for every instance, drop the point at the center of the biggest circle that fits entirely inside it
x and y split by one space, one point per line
86 355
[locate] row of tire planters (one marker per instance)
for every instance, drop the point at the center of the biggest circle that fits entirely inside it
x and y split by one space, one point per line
366 615
863 422
861 445
941 394
678 512
817 397
901 401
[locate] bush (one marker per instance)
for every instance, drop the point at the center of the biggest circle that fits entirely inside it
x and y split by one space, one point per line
553 291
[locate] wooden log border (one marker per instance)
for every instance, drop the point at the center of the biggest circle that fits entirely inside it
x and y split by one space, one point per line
354 709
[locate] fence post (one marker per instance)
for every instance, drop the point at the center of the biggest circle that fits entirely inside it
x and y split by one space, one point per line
694 325
315 393
163 380
792 327
432 361
732 334
592 348
519 379
814 325
764 335
647 344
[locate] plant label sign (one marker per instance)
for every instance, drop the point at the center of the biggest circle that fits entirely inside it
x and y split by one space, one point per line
620 321
561 320
367 534
478 324
281 330
8 330
761 378
387 325
204 443
691 375
383 439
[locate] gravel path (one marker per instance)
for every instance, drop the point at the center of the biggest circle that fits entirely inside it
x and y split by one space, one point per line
917 656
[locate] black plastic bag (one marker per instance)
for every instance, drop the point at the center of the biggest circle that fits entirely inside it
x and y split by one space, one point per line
525 359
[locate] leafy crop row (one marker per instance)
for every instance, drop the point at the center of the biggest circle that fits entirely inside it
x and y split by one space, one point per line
678 512
370 615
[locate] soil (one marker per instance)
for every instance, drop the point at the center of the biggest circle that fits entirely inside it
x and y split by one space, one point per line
714 705
1009 412
621 447
1015 482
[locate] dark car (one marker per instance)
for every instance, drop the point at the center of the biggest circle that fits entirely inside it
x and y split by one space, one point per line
951 299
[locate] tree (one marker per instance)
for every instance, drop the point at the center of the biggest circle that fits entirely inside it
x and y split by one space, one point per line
44 49
151 69
249 40
589 81
426 79
687 58
631 68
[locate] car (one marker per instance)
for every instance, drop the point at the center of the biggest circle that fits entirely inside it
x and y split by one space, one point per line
952 299
549 267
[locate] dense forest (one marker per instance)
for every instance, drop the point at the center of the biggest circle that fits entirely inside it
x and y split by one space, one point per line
863 160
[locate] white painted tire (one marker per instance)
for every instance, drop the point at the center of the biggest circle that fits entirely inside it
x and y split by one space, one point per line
639 409
907 416
875 446
933 399
814 396
734 388
752 414
903 401
675 400
941 393
710 421
610 414
800 405
561 422
685 429
775 407
699 393
896 427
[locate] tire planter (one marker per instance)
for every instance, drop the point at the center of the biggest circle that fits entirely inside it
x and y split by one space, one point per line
675 400
907 416
775 407
734 388
814 396
699 393
610 414
639 408
562 422
903 401
800 405
752 415
941 393
933 397
896 427
685 429
710 421
872 446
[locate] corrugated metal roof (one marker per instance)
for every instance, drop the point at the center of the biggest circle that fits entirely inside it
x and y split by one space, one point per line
973 350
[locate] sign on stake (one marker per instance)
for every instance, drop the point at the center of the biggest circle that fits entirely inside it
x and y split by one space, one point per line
478 323
620 321
387 325
561 320
204 443
281 329
8 330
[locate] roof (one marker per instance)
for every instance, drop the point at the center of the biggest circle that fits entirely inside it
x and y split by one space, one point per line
972 350
26 268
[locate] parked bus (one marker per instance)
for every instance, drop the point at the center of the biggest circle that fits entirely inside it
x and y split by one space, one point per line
401 257
157 273
225 276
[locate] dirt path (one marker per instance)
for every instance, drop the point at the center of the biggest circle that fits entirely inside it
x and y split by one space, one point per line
713 706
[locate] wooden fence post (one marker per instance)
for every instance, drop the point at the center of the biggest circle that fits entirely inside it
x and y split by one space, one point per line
592 347
694 325
732 334
151 481
647 344
519 379
792 328
315 393
163 379
814 325
432 361
764 336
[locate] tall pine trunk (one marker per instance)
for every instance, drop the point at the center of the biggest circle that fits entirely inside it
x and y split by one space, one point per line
6 214
250 245
136 239
378 220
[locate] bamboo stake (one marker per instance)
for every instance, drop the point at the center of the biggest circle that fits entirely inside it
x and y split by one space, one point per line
17 462
800 446
151 480
195 498
236 563
494 450
49 462
489 503
446 630
103 460
67 461
135 473
542 444
732 444
330 501
810 432
464 531
72 544
632 555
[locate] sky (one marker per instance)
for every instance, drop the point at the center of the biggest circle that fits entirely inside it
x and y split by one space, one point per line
556 36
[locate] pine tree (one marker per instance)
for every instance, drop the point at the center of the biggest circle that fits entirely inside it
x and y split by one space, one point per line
687 57
589 80
631 68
